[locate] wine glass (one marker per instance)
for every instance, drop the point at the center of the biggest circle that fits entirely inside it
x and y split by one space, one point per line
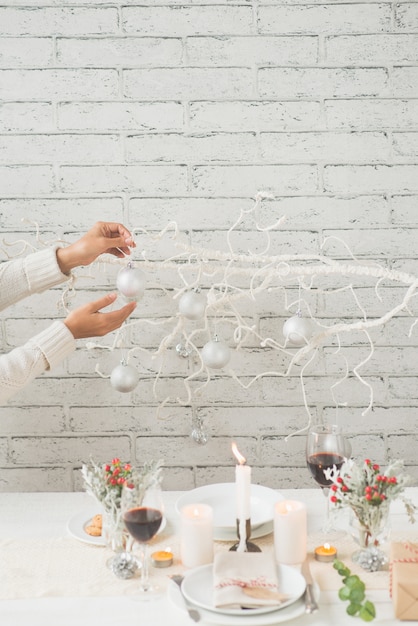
142 512
326 449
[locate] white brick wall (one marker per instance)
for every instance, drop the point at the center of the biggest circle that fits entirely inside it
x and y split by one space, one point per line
183 110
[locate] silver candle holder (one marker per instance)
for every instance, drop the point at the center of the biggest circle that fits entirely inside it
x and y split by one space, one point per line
249 545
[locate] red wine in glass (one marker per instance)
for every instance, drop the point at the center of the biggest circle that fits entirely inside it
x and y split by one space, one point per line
142 512
320 462
326 447
143 522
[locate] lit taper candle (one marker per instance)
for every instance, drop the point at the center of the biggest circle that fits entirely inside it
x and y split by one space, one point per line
243 496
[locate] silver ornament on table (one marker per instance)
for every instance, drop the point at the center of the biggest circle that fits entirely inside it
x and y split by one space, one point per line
130 282
297 330
371 559
192 304
124 565
124 378
216 353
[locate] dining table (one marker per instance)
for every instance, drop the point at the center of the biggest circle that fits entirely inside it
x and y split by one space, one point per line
50 575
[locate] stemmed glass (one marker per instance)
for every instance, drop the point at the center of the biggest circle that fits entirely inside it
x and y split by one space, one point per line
142 512
326 449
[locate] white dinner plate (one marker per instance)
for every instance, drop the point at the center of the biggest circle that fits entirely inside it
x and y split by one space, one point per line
221 497
76 526
266 619
197 587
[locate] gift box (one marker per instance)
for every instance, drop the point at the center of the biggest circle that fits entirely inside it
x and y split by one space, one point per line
404 580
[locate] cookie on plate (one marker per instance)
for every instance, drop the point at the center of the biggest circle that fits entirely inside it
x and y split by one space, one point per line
93 531
97 521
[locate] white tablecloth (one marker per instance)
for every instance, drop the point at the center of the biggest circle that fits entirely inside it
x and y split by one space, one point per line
48 577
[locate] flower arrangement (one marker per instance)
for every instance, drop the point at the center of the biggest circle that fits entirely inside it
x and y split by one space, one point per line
368 492
105 482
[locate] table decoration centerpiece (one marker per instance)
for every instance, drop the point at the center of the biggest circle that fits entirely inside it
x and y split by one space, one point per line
368 492
105 483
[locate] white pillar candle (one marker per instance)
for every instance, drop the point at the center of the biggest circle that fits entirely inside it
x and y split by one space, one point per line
290 532
196 535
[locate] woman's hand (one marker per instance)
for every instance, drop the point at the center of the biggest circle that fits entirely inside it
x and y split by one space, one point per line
103 237
88 321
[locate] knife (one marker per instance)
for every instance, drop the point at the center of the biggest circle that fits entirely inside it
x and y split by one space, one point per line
310 603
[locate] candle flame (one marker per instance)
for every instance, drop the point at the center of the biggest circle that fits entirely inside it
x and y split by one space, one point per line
288 507
196 512
237 454
327 546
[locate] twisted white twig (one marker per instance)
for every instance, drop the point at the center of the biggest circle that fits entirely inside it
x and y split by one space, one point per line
230 278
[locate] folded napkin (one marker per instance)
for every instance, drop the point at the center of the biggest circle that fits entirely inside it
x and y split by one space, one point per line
238 574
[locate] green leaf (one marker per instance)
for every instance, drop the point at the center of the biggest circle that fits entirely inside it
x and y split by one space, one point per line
356 595
344 593
354 591
367 611
352 581
353 608
341 568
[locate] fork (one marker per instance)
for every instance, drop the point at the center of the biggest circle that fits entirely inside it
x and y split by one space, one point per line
193 613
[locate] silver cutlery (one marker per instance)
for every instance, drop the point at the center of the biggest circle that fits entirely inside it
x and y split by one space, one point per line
310 603
193 613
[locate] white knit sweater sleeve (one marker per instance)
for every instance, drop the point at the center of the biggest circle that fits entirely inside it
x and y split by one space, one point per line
19 278
32 274
40 353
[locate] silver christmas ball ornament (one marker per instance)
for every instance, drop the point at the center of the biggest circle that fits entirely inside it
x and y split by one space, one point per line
124 565
124 378
192 305
297 330
131 282
216 353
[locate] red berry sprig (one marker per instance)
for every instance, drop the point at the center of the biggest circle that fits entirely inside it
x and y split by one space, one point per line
376 489
117 473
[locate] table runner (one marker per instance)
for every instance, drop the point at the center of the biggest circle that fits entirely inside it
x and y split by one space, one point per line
67 567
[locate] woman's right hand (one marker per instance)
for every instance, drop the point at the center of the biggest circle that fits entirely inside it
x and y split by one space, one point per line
89 321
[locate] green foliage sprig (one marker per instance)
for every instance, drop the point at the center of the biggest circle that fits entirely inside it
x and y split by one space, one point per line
354 592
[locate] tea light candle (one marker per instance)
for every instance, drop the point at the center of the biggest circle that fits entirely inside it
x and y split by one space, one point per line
162 558
196 535
290 531
325 553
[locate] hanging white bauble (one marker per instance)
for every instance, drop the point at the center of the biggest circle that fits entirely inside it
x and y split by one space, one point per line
131 282
216 353
297 330
192 305
124 378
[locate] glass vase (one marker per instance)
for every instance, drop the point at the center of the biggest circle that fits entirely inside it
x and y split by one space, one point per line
370 529
114 532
